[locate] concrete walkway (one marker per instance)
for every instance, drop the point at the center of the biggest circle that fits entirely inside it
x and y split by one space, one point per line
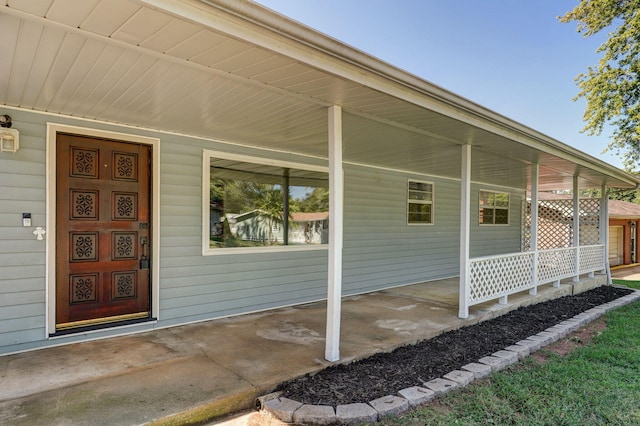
626 272
204 371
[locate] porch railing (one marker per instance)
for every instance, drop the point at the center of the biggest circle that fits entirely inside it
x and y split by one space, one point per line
496 277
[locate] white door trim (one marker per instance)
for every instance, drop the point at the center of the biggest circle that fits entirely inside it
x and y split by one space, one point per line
52 130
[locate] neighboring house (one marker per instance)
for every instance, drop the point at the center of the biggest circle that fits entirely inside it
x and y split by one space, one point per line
310 228
128 111
623 232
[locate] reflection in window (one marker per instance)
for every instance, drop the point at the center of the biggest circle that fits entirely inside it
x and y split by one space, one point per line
257 205
494 208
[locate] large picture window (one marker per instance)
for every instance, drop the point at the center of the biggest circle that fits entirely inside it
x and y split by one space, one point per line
419 202
494 208
253 203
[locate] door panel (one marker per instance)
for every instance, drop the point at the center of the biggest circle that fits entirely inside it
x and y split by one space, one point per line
103 231
616 239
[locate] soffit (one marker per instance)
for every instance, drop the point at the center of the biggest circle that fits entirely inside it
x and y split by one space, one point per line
126 62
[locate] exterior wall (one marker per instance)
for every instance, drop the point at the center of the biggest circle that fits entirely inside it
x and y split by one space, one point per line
487 240
192 287
22 257
380 249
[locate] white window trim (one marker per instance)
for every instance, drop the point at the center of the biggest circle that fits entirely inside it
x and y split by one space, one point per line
432 203
207 155
494 208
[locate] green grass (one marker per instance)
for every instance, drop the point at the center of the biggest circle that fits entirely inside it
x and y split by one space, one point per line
598 384
632 284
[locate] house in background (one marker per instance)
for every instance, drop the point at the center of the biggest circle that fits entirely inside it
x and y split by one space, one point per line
126 111
623 232
310 228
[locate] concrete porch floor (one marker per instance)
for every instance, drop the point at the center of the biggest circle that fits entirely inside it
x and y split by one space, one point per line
187 374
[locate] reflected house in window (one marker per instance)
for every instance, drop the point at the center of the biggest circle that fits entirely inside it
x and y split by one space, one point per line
257 226
310 228
256 203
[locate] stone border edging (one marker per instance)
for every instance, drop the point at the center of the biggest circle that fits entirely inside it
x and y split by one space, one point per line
290 411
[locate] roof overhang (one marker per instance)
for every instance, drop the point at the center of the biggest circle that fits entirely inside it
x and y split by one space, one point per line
235 71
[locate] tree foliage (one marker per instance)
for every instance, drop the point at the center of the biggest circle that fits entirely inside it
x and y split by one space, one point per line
316 201
612 87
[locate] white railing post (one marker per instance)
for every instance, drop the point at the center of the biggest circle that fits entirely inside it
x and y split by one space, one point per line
534 228
336 190
465 212
576 226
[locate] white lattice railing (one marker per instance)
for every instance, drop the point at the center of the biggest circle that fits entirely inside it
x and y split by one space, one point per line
556 264
494 277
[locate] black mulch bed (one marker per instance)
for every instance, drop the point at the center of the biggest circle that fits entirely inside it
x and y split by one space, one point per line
386 373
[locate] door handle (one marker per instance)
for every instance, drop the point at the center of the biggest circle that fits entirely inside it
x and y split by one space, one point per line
144 259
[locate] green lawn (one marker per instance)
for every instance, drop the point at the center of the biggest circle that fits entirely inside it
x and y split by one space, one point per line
597 384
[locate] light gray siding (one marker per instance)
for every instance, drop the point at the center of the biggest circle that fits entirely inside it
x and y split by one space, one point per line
487 240
380 249
22 257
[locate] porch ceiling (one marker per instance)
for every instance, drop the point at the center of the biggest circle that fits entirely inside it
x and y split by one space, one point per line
236 71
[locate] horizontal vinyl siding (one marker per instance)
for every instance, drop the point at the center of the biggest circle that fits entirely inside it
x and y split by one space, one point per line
487 240
192 287
196 287
22 257
380 249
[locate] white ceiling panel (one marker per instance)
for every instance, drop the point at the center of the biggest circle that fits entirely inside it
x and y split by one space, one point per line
197 44
141 26
35 7
107 16
245 63
64 60
24 54
176 31
259 80
71 12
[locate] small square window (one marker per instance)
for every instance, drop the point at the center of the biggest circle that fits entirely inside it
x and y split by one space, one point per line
419 202
494 208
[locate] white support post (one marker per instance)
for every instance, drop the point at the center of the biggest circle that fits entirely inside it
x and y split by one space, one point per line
336 190
465 215
576 226
535 172
604 230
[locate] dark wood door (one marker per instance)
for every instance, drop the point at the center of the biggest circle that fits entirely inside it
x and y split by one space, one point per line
103 228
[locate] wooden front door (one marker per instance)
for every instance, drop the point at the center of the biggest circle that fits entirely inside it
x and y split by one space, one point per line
103 238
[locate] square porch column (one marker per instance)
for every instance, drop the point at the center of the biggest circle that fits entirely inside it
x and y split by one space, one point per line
604 230
336 218
465 217
576 225
533 242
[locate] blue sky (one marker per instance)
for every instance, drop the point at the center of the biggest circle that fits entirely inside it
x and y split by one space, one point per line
511 56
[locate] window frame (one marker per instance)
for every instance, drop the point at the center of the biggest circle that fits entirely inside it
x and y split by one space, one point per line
431 203
207 155
494 208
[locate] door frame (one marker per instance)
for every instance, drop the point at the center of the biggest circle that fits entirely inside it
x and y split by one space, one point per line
52 131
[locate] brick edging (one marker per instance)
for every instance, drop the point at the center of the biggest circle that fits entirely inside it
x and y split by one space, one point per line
290 411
